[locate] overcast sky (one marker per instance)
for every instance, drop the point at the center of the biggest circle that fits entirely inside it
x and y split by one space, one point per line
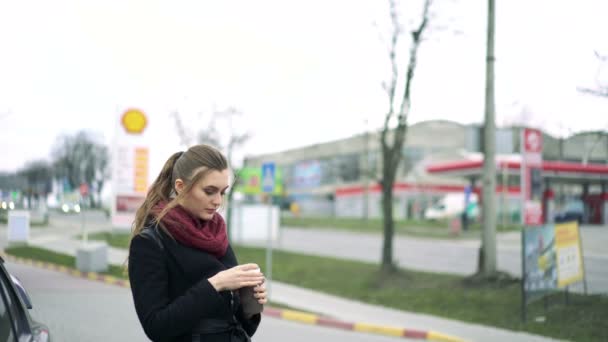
301 72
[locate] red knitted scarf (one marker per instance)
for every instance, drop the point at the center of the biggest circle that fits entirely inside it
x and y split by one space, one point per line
209 236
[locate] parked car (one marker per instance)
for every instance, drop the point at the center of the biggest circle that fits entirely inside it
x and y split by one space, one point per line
452 205
16 324
573 210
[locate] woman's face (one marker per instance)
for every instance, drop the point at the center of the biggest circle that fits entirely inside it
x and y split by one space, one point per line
206 195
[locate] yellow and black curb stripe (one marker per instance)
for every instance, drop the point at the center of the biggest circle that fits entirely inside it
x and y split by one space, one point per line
290 315
110 280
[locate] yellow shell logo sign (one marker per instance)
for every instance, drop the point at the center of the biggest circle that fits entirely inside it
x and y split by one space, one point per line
134 121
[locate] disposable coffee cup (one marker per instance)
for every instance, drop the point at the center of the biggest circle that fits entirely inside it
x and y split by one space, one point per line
250 303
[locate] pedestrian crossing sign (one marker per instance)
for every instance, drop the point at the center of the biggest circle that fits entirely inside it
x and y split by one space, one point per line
268 177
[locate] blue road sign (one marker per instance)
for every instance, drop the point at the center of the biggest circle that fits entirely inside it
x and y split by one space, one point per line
268 177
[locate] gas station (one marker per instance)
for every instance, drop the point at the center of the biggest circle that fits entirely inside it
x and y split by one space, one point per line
534 181
591 181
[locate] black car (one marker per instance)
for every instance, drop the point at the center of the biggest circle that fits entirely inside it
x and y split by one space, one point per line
16 324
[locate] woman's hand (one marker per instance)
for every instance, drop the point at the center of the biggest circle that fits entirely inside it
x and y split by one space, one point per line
259 292
237 277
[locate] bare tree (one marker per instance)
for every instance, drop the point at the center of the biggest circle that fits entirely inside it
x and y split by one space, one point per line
392 140
208 135
588 149
80 159
602 89
98 171
11 181
185 138
38 176
235 141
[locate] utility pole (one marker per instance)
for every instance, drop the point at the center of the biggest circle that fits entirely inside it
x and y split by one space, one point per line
488 247
366 175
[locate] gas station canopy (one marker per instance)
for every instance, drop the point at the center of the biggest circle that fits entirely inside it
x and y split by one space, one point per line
559 170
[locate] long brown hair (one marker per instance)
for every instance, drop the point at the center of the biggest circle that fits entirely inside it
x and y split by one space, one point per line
190 166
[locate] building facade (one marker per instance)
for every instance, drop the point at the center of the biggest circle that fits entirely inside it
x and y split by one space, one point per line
341 178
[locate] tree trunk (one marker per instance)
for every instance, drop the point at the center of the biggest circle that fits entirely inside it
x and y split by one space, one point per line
389 227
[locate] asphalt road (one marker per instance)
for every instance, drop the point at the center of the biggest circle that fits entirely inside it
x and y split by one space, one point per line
76 309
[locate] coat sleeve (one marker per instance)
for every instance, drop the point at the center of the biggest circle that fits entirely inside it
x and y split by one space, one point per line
250 325
160 317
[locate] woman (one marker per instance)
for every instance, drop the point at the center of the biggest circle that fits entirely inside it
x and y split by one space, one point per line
184 274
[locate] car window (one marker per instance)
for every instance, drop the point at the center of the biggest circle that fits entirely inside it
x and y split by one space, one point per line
6 320
576 206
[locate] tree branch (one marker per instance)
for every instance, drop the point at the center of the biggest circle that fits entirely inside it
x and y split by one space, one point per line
400 133
416 40
595 92
183 134
392 54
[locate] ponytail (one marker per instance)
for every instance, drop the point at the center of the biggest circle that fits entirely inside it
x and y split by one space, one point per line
160 190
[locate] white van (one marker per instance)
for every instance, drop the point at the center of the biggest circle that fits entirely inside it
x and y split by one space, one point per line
452 205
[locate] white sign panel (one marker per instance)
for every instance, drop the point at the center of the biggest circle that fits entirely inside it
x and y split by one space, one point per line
18 226
250 223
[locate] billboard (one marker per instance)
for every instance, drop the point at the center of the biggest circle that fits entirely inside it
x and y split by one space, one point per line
307 174
568 254
250 181
130 168
552 259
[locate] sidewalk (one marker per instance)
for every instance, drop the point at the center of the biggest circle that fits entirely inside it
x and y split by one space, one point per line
335 307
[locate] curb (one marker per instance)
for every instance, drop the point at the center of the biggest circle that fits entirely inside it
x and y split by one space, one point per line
312 319
285 314
107 279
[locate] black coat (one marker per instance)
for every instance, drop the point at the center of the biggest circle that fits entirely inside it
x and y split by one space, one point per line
172 294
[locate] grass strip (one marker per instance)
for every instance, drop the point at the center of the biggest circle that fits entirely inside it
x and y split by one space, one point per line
421 228
40 254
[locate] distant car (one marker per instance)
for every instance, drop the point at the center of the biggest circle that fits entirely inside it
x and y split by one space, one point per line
16 324
70 208
574 210
7 205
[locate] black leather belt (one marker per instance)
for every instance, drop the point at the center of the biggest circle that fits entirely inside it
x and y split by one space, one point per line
218 326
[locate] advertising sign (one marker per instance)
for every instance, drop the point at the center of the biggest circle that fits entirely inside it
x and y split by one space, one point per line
540 267
531 176
134 121
307 174
140 170
552 259
130 167
552 256
569 256
250 181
